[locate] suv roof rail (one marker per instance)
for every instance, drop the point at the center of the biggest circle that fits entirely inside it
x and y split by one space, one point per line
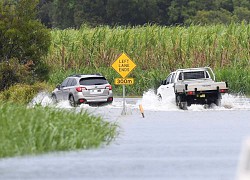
98 74
79 75
75 75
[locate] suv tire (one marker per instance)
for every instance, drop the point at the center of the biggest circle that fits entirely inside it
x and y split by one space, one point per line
54 99
72 101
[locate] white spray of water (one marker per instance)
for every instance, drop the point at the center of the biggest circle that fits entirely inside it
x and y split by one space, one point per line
42 99
238 101
149 101
229 102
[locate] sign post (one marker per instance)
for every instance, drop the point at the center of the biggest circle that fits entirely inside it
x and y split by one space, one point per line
123 65
124 112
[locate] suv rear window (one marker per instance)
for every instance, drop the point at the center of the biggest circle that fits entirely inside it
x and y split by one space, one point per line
93 81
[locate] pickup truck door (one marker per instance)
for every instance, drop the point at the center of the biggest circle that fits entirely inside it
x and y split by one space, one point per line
166 90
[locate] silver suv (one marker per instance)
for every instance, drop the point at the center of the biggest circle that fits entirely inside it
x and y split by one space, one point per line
84 88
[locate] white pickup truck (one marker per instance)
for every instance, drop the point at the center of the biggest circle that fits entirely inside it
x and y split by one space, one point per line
192 86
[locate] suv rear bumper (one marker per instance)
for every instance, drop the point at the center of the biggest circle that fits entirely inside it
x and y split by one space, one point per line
80 98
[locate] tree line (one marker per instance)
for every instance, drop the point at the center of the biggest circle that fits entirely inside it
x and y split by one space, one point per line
73 13
25 37
24 40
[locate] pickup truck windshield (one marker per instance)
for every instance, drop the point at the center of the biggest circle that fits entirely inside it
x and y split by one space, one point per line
195 75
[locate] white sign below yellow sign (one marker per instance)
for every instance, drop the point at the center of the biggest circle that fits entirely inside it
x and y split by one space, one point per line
124 81
123 65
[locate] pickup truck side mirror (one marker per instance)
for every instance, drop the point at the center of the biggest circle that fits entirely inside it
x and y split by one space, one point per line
58 86
164 82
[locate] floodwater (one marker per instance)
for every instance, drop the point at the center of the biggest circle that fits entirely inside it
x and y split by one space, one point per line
172 144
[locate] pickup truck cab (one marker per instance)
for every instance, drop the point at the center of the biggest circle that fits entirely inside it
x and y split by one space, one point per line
192 86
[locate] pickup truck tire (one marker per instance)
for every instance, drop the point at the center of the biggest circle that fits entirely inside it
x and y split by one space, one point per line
184 105
218 102
159 97
181 102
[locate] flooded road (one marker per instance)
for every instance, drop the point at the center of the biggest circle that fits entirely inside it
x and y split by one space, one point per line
198 144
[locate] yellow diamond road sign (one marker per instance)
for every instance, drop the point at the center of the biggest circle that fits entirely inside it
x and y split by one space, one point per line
123 65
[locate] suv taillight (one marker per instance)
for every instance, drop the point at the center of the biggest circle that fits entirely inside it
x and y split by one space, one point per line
109 87
79 89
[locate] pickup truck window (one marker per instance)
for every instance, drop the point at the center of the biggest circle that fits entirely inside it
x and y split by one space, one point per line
194 75
180 76
168 79
207 76
172 78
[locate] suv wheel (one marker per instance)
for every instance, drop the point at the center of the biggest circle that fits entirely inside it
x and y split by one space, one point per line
72 101
54 99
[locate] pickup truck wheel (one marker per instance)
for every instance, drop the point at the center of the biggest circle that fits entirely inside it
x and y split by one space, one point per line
218 102
184 105
180 103
159 97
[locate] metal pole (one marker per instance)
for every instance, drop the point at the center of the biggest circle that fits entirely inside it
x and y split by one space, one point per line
123 94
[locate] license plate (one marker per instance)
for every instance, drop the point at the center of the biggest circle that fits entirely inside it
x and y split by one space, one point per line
96 91
202 95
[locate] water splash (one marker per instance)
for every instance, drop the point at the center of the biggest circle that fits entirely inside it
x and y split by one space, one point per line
149 101
41 99
237 101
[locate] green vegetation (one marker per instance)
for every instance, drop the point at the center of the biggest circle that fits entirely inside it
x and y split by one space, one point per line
65 14
27 54
156 50
24 40
23 93
38 130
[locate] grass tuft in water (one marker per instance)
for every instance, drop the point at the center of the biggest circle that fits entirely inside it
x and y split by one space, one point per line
39 130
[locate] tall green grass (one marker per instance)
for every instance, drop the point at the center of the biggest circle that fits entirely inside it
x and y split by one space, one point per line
39 130
23 93
155 49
